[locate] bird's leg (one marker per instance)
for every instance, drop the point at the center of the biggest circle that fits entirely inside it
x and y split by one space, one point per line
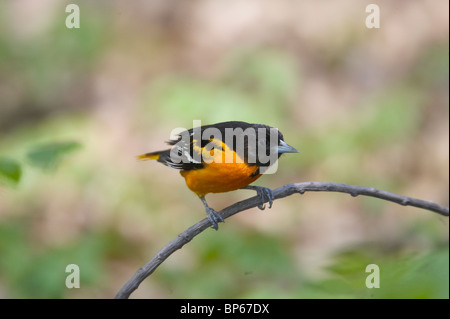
263 193
213 216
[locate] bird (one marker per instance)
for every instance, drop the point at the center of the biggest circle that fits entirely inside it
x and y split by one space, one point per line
224 157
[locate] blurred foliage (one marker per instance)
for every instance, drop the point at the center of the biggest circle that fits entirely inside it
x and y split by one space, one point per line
49 155
245 264
77 106
260 94
46 157
392 116
412 275
31 272
238 263
46 71
10 171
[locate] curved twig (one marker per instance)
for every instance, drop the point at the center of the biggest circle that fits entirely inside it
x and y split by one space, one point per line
281 192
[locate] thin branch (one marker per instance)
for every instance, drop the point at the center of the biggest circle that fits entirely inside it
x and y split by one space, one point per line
281 192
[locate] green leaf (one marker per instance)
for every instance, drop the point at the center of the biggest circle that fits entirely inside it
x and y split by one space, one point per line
48 156
10 170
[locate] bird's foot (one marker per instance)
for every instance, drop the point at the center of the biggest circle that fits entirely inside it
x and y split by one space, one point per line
214 217
266 194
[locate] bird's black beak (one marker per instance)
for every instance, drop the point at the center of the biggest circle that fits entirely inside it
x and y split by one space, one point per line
284 147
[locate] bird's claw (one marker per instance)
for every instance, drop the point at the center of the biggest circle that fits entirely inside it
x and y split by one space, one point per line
266 194
263 193
214 217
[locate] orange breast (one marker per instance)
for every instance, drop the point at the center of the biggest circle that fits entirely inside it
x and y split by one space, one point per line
219 177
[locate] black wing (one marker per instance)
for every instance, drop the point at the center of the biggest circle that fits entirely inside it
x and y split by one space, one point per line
184 153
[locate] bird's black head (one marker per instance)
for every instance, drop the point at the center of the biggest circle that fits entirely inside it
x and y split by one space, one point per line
273 144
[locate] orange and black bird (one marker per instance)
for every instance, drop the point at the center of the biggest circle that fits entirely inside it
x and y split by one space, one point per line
224 157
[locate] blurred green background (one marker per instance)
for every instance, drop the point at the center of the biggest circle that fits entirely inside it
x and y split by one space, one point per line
364 106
